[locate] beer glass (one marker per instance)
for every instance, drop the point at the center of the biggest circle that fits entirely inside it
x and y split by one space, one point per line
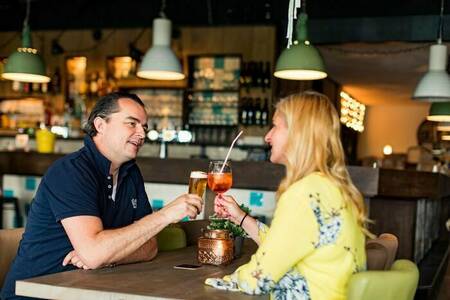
219 182
197 183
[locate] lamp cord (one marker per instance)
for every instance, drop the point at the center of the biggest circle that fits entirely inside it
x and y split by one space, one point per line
292 14
27 16
162 14
441 23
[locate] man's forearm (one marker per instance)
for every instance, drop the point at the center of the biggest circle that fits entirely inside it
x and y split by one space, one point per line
97 247
114 245
145 253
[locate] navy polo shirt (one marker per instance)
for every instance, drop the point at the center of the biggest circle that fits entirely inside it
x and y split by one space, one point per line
75 185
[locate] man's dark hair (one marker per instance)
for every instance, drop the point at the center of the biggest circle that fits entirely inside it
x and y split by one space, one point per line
106 106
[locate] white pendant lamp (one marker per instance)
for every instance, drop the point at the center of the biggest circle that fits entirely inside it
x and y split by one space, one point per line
160 62
434 86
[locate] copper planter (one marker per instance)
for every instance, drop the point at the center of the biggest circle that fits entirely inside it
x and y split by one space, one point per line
215 247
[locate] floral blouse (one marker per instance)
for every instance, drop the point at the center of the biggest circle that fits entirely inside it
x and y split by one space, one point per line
311 249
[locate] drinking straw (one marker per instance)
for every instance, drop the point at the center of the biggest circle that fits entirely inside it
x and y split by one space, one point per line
229 151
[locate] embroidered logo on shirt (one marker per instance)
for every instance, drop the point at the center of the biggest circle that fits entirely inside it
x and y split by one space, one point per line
134 202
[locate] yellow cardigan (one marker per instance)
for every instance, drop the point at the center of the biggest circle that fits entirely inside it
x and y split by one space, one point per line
311 249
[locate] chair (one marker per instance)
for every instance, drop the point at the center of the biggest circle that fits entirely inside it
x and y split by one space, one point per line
9 242
171 238
398 283
180 235
381 252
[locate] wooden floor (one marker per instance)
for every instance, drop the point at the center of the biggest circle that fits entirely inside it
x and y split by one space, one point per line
444 293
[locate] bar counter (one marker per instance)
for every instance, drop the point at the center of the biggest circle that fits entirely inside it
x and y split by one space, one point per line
412 205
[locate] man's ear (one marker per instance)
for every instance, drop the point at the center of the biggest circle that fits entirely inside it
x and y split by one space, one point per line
99 124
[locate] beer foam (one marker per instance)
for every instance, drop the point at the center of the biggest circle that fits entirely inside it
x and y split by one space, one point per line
198 174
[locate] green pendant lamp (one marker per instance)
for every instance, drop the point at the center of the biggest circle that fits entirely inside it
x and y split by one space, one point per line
25 64
301 61
439 112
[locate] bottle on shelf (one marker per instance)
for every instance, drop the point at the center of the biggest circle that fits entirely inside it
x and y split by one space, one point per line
249 73
267 75
257 111
250 113
243 112
265 113
259 75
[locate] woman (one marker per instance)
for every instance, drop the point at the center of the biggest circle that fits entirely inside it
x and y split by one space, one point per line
317 236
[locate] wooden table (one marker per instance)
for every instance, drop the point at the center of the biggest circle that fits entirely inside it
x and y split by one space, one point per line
151 280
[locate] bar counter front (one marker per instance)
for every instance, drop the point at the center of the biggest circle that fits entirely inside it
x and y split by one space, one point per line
412 205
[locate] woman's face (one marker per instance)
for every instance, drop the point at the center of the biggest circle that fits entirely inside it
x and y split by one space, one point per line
277 138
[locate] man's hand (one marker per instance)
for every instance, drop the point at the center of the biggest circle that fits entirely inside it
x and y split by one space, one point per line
185 205
74 259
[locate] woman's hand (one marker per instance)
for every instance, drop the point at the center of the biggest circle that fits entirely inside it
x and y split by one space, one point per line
226 207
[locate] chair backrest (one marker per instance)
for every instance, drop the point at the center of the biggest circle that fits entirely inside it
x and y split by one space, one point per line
398 283
381 252
9 242
171 238
193 230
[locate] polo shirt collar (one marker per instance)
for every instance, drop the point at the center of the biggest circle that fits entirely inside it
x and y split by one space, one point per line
104 164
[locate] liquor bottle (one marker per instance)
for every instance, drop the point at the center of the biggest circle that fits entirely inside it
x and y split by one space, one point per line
243 113
265 113
250 112
258 111
267 76
259 74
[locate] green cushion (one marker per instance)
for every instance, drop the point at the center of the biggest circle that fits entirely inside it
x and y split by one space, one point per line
171 238
398 283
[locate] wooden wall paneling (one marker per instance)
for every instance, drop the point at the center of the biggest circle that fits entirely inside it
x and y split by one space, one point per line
396 216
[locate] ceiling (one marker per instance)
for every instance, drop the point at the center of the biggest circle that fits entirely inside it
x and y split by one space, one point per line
378 73
57 14
376 49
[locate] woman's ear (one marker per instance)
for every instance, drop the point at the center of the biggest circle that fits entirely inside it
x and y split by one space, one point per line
99 124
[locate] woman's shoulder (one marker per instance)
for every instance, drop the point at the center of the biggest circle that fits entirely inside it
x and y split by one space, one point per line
312 182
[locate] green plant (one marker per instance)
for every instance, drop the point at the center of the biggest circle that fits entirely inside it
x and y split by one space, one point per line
235 230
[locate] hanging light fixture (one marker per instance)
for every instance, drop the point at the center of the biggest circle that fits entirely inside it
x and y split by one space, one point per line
434 86
439 112
300 61
160 62
25 64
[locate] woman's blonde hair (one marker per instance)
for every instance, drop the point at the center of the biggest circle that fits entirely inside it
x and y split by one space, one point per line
314 145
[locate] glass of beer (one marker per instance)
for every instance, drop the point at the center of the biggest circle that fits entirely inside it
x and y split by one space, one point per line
197 183
220 178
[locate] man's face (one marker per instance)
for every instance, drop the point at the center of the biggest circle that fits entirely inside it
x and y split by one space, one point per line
121 136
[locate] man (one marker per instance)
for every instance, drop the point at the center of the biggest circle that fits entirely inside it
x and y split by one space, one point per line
91 209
